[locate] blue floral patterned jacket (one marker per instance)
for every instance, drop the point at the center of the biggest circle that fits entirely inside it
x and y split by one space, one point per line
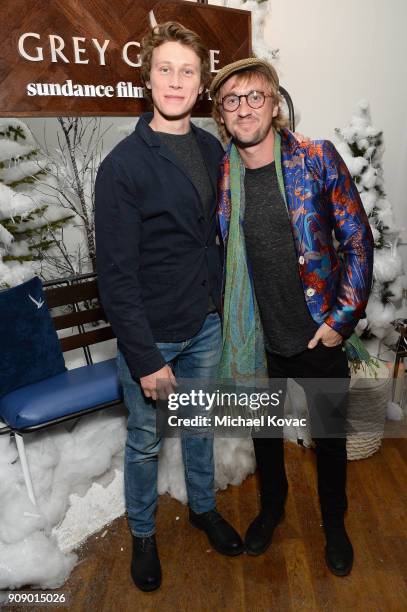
322 200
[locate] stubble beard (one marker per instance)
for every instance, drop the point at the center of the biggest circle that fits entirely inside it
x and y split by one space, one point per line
251 140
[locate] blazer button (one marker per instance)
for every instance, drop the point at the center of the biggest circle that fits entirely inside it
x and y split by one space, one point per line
301 260
310 291
203 283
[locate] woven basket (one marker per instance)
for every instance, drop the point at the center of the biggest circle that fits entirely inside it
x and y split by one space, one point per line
367 404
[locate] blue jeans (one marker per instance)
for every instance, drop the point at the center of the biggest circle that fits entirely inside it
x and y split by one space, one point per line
196 357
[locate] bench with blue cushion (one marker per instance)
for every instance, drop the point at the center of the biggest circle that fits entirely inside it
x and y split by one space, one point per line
75 308
67 395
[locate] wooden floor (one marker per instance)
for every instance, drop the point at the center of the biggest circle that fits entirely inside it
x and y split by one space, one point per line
291 575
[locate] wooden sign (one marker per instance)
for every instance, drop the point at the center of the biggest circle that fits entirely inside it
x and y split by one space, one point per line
82 57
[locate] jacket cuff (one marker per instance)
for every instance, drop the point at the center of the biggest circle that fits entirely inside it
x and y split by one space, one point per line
342 327
150 363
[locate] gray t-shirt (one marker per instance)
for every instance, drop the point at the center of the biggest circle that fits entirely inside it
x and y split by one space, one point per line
287 323
186 148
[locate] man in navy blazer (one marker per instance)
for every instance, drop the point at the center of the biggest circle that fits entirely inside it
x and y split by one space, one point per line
159 270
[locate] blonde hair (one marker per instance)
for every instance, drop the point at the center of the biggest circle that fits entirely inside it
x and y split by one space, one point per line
279 121
172 31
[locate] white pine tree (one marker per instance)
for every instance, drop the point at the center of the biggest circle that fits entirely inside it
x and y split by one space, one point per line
362 149
29 218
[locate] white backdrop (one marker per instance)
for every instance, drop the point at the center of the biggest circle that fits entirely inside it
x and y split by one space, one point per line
334 53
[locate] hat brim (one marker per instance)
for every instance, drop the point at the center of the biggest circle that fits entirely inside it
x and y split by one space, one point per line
238 66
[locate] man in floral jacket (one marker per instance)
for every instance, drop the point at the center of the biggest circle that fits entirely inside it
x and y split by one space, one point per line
290 293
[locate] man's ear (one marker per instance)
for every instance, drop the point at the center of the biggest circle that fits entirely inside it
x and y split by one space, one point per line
201 88
275 110
148 84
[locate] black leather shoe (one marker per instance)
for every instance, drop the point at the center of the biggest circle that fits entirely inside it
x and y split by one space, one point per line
145 564
260 532
222 536
338 551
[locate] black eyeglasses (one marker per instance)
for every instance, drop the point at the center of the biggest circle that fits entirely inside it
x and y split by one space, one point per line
255 99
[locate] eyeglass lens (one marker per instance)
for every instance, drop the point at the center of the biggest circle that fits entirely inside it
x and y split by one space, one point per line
255 99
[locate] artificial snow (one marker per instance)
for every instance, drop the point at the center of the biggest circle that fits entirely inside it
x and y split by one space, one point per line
18 171
77 474
369 199
398 286
12 149
387 265
23 196
366 168
14 203
5 237
14 273
63 464
394 412
86 515
35 560
379 316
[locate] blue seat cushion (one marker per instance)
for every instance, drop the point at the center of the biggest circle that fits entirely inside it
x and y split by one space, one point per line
61 395
30 350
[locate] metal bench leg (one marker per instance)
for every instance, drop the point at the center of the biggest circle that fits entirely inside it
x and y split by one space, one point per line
24 466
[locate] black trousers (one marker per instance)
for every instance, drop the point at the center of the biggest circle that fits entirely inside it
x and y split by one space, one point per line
311 369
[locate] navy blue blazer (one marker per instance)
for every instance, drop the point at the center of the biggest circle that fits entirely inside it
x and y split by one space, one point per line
156 254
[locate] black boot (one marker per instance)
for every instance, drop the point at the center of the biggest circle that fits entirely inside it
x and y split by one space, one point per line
273 494
338 550
221 535
145 564
260 532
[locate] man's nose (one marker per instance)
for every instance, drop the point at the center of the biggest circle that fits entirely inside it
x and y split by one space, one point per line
244 109
176 80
